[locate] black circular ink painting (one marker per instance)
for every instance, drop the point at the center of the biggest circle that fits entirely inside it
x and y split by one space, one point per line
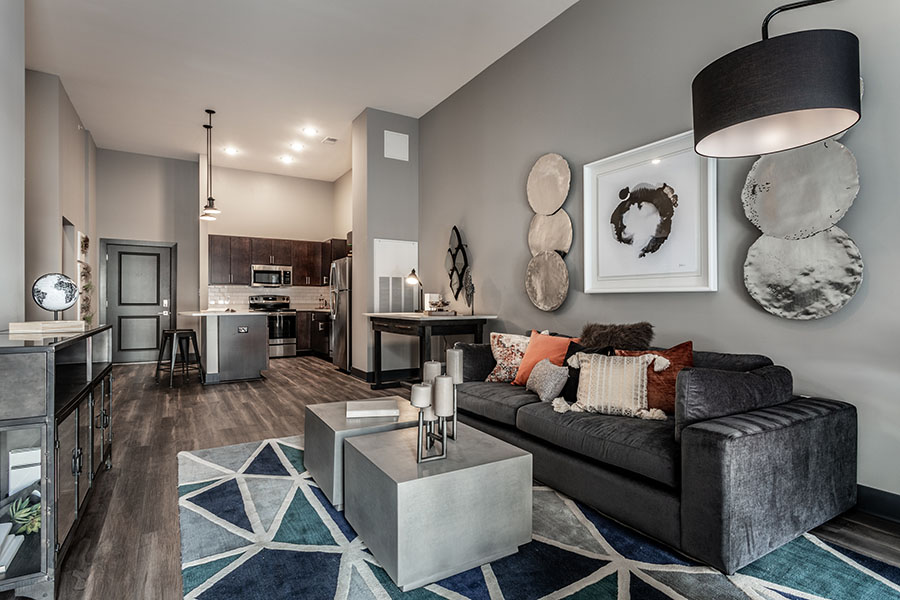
661 197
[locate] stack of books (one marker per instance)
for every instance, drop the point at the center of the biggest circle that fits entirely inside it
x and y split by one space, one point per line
9 546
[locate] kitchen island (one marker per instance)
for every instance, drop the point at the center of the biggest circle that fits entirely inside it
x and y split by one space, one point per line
235 345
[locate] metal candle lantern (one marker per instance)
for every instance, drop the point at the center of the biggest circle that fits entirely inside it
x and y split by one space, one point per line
421 397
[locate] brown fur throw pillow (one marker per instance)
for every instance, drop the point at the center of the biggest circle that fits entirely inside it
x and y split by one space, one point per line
634 336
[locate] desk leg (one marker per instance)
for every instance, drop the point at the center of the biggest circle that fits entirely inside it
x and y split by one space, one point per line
377 359
424 348
479 333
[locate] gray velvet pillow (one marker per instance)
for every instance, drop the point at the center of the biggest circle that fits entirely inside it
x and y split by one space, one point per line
547 380
478 360
703 394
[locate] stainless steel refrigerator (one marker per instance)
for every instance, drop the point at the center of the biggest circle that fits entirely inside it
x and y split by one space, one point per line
340 313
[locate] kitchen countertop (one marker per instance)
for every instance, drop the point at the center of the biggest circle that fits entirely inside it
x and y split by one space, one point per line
414 316
221 313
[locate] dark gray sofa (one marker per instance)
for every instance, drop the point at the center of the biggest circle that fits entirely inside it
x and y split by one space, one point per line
743 467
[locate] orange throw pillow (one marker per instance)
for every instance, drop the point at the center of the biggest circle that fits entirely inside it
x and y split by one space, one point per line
540 347
661 385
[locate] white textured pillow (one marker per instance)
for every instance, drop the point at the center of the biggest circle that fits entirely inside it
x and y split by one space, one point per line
508 350
547 380
615 385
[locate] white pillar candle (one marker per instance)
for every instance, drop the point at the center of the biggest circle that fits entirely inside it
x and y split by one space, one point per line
443 396
428 414
431 370
420 395
455 365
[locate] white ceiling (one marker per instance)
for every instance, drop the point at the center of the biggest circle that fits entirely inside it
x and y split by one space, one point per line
141 72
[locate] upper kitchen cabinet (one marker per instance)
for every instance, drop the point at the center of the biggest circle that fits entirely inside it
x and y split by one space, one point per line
219 259
332 250
240 260
282 252
306 260
261 251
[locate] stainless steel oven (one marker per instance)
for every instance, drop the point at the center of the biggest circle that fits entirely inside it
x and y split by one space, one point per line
282 323
270 276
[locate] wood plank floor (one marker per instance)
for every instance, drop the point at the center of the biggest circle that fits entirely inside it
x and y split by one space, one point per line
127 546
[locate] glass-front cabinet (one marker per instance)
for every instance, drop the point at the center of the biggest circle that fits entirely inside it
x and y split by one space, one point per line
55 437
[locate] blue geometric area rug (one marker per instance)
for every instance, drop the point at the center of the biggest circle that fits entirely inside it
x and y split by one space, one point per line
254 526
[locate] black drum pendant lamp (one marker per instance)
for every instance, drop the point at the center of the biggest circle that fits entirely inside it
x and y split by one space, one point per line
209 211
779 93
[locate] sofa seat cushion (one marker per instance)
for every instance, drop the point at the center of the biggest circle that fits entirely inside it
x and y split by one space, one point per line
494 400
640 446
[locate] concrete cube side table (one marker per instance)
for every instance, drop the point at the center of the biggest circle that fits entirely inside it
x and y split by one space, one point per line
424 522
326 427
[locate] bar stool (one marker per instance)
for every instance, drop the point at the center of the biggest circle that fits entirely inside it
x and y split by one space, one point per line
180 341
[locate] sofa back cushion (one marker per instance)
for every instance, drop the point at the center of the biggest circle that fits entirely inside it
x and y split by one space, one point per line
703 394
730 362
478 360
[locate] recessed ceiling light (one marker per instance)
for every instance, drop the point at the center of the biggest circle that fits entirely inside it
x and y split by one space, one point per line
296 146
656 161
231 150
310 131
286 159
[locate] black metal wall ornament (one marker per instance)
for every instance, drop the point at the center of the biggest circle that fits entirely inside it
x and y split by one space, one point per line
456 262
778 93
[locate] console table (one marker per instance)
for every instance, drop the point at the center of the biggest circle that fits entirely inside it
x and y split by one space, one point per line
422 326
55 438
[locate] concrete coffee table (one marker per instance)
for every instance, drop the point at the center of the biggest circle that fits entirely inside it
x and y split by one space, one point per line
425 522
326 427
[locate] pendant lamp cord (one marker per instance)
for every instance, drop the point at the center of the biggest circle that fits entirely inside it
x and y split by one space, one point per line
791 6
208 128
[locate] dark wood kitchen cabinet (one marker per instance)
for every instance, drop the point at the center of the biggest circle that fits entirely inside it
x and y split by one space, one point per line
240 260
306 259
281 252
320 336
332 250
304 330
219 259
261 251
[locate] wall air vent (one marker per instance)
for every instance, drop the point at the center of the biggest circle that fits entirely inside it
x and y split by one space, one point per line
329 140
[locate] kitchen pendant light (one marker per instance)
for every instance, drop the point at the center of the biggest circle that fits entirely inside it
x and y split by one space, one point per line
210 210
778 93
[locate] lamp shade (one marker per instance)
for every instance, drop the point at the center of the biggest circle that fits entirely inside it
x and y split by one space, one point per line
777 94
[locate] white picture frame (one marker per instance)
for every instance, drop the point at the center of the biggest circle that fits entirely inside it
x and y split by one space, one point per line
645 249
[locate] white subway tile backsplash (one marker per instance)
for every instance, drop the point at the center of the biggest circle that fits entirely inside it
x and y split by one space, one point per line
238 296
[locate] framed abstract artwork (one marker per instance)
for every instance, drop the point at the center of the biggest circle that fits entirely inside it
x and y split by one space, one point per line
650 220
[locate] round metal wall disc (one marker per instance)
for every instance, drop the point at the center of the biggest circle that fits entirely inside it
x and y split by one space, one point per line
804 279
798 193
548 184
547 281
550 232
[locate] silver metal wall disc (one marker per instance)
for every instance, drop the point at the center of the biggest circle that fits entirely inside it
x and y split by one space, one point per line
550 232
547 281
548 184
798 193
804 279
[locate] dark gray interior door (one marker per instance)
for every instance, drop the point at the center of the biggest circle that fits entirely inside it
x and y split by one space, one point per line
139 299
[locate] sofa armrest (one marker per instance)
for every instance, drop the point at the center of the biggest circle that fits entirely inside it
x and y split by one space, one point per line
754 481
478 361
702 394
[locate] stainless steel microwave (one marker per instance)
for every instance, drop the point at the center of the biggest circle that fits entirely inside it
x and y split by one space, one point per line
270 276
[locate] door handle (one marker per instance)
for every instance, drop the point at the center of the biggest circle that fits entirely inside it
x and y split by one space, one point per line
164 313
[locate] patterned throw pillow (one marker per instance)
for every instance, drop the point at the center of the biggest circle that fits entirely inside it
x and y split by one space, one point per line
570 390
508 350
547 380
661 385
615 385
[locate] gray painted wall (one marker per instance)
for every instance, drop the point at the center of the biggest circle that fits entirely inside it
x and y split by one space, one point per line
12 161
267 205
608 76
57 183
153 199
343 205
385 206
